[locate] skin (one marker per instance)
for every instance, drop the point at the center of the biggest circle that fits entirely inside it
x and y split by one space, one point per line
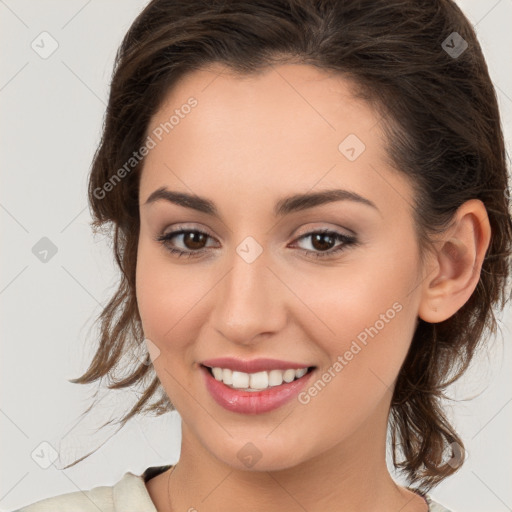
248 143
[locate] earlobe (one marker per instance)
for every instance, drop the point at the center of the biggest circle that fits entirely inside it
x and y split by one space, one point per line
454 270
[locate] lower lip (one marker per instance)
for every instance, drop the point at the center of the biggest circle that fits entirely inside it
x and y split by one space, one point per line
253 402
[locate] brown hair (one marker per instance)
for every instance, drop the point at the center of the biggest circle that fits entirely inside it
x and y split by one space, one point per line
440 115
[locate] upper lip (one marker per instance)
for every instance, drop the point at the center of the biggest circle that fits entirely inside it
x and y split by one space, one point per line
253 365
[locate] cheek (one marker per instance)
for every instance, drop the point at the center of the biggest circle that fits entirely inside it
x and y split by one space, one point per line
166 295
373 326
352 296
365 311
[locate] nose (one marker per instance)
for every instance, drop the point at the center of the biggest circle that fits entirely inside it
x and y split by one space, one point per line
250 301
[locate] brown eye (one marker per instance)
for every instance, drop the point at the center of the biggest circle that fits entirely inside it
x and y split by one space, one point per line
191 242
323 241
194 240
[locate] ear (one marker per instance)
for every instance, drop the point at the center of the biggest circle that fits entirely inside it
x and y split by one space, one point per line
456 263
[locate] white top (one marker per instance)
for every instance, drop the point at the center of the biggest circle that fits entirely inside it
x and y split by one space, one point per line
128 495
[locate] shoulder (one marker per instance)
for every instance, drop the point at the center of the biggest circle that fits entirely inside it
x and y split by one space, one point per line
128 492
433 506
79 501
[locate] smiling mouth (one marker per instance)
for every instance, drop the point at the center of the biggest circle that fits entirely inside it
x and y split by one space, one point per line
258 381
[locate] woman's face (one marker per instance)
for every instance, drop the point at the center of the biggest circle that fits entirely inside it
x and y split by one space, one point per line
260 283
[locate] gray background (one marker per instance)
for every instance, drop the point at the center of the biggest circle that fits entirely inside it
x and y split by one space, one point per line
52 112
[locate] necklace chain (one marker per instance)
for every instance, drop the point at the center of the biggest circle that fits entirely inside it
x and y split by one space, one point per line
168 489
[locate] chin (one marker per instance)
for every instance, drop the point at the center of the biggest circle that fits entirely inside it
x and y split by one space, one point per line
264 455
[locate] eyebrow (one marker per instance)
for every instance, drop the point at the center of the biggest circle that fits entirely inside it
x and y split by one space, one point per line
285 206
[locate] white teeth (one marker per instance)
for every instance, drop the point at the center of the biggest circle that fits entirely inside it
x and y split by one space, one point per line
227 376
300 373
256 381
240 380
275 377
289 375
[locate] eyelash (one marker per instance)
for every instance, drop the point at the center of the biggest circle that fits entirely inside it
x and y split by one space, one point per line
348 241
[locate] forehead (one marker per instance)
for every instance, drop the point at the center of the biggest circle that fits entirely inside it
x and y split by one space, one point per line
289 126
302 99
